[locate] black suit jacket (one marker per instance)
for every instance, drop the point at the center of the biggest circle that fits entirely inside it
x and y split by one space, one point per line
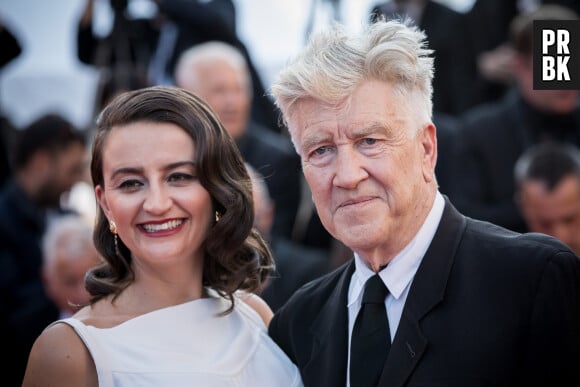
487 307
25 309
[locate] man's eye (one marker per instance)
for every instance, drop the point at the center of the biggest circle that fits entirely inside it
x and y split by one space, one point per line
369 141
320 151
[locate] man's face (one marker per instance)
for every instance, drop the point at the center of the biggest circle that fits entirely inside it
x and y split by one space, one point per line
555 212
369 165
66 168
226 89
547 101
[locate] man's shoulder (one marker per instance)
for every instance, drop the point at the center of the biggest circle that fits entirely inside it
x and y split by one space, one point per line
312 295
495 241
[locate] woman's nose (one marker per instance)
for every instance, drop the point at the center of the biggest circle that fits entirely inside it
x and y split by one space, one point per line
157 200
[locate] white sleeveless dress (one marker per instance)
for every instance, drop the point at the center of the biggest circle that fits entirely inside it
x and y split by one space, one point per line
189 345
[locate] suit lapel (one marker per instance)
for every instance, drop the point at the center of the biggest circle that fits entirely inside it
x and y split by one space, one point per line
427 290
327 367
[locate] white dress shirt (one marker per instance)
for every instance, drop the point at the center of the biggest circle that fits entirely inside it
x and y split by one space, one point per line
397 276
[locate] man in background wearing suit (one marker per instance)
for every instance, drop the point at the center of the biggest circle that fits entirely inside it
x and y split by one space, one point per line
218 73
492 136
296 264
467 303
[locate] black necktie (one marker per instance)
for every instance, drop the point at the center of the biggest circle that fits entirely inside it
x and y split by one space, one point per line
371 339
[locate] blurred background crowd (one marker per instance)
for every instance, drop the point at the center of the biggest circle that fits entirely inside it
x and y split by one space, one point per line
62 61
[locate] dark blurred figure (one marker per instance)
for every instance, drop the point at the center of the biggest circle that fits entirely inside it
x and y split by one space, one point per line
218 73
122 57
447 132
11 47
198 21
112 83
129 46
454 63
493 136
295 264
488 24
547 178
571 4
10 50
6 135
48 158
151 46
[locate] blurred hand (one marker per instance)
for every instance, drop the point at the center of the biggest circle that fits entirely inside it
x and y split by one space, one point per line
496 65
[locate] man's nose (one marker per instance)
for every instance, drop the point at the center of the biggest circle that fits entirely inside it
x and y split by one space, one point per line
349 166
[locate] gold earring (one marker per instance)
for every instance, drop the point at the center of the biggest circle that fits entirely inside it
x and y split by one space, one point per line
112 227
113 230
217 216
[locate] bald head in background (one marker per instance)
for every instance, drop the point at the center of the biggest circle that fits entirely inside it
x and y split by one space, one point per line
218 73
68 253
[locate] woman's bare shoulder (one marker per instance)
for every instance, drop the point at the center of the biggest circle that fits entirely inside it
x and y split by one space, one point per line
258 304
59 357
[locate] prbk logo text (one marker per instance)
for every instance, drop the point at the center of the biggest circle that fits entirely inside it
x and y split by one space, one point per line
556 54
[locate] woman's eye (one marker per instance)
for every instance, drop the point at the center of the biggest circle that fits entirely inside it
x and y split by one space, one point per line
177 177
130 184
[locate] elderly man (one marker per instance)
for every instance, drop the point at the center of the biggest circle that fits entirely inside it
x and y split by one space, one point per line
218 73
431 297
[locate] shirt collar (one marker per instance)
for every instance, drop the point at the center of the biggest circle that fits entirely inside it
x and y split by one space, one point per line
400 271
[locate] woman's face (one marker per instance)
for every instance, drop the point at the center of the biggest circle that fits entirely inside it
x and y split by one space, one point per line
152 193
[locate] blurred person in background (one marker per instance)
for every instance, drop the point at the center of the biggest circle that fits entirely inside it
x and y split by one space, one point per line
547 180
455 68
488 28
295 264
186 23
11 49
48 158
492 136
218 73
127 49
68 253
150 46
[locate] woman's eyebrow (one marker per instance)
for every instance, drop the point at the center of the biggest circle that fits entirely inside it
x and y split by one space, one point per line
139 170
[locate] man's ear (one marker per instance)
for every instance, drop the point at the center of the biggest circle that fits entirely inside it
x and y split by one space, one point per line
429 147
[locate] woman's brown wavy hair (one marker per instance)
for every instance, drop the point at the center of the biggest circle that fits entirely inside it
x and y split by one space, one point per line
236 256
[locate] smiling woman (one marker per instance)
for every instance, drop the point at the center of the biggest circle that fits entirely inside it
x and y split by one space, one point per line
181 259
